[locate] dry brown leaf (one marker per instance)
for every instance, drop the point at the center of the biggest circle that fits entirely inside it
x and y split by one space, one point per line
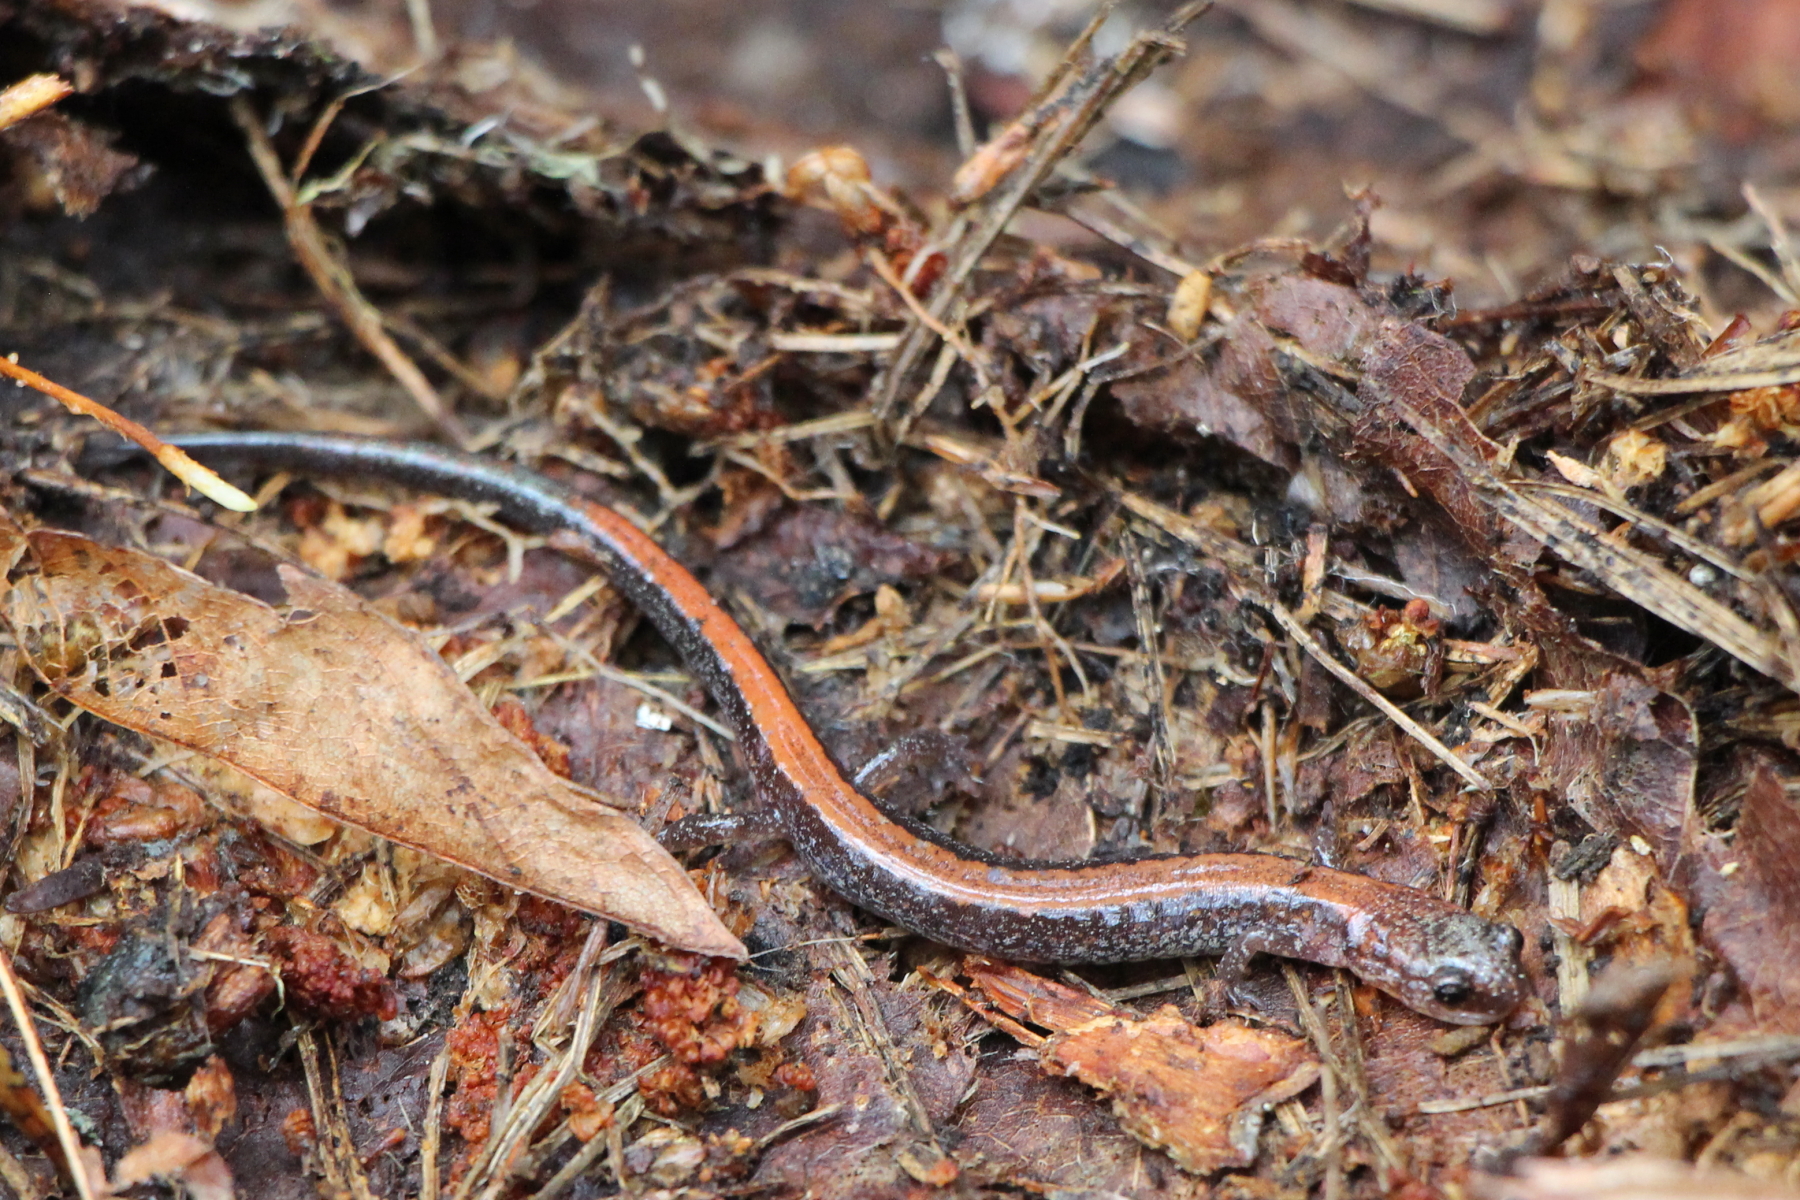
1634 458
170 1155
1197 1092
1630 1177
341 709
1748 886
20 1101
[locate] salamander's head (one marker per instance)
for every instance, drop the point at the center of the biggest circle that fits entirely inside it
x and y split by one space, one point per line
1463 968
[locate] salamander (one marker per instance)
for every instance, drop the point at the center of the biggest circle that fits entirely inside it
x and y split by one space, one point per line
1431 955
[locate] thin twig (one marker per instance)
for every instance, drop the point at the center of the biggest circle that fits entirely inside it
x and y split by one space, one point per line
333 279
432 1140
1377 1133
1779 242
418 14
952 67
1150 637
337 1149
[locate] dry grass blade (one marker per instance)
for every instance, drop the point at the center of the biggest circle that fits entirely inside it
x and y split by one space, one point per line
1736 1057
1233 556
1469 16
1149 627
30 95
1356 684
1707 382
1779 242
338 1156
1238 562
1318 33
1419 377
1704 551
871 1027
1365 1114
1643 579
172 458
1630 572
75 1162
431 1141
493 1170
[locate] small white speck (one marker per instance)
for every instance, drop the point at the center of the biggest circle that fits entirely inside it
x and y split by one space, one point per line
1730 869
1639 845
1701 575
651 717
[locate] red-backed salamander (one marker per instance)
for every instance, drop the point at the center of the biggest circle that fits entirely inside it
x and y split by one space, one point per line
1430 955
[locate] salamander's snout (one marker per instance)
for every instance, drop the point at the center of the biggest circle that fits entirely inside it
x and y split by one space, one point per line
1471 972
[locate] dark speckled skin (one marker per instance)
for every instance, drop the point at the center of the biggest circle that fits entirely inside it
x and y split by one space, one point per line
1432 956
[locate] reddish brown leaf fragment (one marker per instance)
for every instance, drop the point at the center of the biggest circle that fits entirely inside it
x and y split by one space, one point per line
177 1156
1750 889
211 1097
1228 397
1181 1088
71 163
20 1101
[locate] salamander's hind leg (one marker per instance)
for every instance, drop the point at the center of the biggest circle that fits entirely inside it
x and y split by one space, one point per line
1239 989
701 830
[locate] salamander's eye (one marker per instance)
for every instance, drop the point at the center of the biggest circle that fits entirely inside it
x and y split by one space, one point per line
1452 990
